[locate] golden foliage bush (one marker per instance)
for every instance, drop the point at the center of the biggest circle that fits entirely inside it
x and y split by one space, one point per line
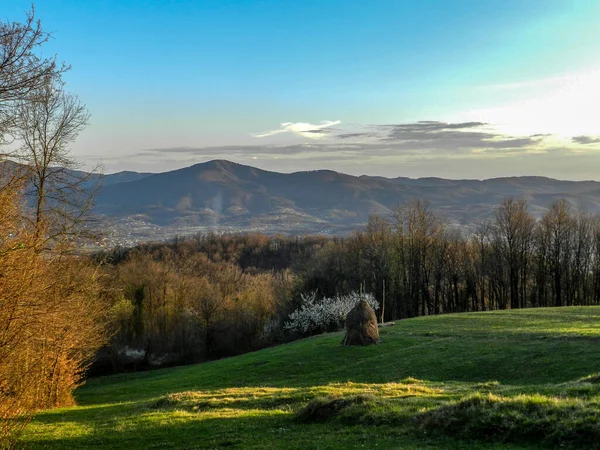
51 318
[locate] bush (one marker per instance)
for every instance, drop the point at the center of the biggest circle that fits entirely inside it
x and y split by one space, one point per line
326 313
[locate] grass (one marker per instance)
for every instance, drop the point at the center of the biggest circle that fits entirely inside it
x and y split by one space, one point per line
510 379
555 421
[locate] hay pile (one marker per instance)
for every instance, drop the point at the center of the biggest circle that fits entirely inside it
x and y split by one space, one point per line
361 325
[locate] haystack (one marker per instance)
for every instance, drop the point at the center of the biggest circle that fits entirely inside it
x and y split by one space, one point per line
361 325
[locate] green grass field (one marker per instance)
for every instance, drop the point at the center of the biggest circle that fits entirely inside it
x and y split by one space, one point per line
510 379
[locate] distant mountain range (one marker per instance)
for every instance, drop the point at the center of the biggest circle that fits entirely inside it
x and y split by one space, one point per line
223 193
224 196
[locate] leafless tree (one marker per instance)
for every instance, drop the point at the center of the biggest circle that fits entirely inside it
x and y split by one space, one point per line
51 313
419 245
558 225
480 241
371 249
513 240
22 70
48 122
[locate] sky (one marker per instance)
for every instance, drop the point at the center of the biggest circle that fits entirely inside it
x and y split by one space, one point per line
454 89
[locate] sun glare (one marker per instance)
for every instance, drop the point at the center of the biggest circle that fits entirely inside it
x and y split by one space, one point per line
568 107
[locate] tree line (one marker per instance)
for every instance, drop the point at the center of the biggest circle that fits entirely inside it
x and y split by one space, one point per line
419 265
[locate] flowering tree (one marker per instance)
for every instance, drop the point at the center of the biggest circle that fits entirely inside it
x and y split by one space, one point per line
326 313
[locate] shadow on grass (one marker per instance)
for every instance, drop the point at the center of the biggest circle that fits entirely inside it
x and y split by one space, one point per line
268 417
247 417
228 428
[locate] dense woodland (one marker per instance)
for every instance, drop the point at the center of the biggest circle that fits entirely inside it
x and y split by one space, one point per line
421 266
210 296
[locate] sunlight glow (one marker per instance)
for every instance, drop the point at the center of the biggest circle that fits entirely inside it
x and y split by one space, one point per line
568 107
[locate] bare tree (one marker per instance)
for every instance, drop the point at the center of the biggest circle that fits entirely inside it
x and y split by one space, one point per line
418 248
22 71
38 114
558 225
565 254
48 122
481 247
583 257
371 247
51 313
513 240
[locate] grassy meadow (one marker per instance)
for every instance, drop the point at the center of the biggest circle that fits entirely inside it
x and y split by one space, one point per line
504 379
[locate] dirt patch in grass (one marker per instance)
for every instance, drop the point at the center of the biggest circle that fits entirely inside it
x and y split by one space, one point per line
565 422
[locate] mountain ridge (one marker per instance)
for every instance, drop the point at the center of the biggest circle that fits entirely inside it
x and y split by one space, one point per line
221 195
217 162
225 193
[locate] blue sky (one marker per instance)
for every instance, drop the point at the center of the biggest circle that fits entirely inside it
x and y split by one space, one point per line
171 83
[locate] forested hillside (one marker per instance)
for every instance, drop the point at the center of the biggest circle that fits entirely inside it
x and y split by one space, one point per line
210 295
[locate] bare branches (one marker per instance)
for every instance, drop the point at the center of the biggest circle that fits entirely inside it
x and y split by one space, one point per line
48 122
513 231
37 112
22 70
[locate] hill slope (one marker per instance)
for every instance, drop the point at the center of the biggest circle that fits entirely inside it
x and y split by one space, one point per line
529 361
233 195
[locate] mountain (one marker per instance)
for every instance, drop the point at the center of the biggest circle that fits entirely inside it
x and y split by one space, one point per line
122 177
9 167
234 197
225 194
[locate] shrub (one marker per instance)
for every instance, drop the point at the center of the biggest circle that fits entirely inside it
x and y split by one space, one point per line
326 313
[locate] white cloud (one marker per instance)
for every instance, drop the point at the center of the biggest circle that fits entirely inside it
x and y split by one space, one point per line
304 129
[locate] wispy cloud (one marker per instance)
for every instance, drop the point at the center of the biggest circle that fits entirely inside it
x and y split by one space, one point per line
355 135
304 129
413 140
586 140
426 148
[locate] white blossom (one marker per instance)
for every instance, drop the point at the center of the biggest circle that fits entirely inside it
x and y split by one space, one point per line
325 313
